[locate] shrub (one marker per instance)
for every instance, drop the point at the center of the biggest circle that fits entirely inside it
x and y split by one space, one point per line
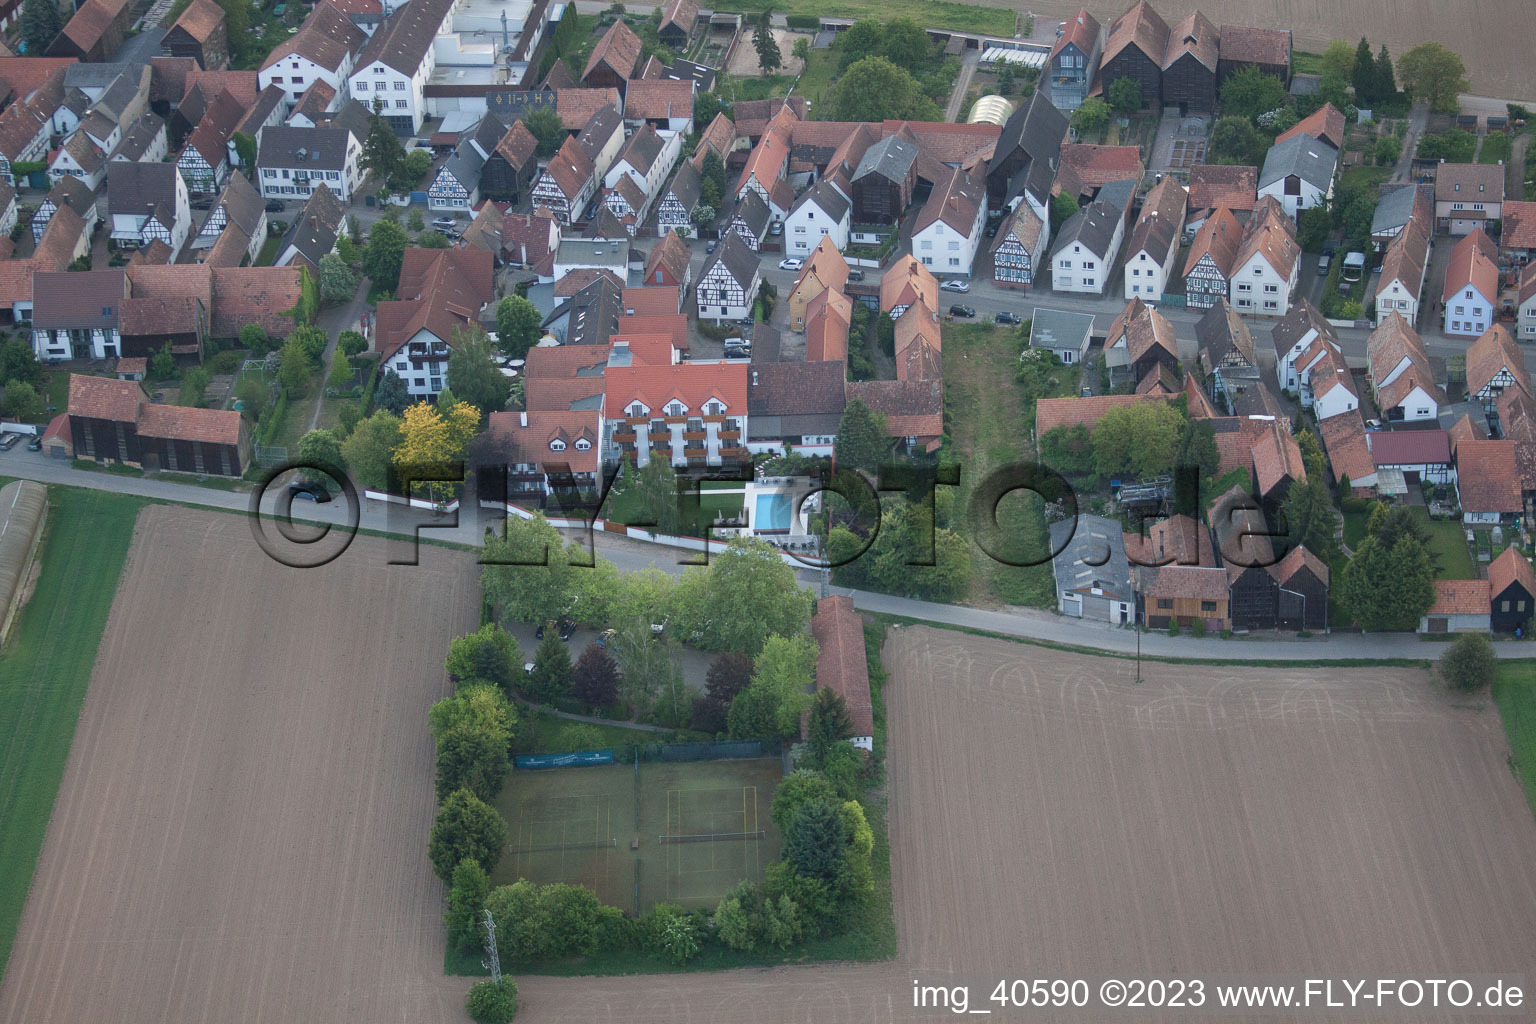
810 21
578 736
1197 627
1173 627
1469 663
491 1002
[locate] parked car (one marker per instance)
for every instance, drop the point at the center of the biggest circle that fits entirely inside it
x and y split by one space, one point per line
791 263
442 223
36 444
274 206
1323 262
566 627
955 286
308 491
855 274
1011 319
9 440
776 228
709 246
962 311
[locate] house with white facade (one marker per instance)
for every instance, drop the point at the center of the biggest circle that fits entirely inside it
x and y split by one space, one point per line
1268 262
68 192
1527 309
601 139
23 138
1087 244
1208 267
729 281
1154 241
391 71
205 160
239 209
1401 373
646 159
1298 173
148 202
1471 285
322 50
441 291
79 158
1402 272
291 162
949 227
145 141
822 212
1296 337
9 208
457 184
648 410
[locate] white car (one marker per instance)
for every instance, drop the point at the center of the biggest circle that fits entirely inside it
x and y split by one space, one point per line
791 263
955 286
443 223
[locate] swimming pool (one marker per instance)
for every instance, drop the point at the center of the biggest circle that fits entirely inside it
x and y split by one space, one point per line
773 512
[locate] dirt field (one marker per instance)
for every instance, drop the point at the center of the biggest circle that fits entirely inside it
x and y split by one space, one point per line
241 831
1498 62
1049 818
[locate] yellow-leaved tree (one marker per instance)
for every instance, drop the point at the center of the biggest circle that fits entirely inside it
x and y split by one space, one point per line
432 440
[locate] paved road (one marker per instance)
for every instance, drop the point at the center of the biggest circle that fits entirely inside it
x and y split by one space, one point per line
629 556
962 83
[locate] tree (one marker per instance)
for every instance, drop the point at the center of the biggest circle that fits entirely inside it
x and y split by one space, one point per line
255 338
801 49
435 440
391 395
744 596
816 839
874 89
351 343
799 787
1316 223
1387 588
518 324
1308 517
656 490
1469 664
905 43
1386 82
678 938
321 448
547 128
1140 440
704 214
386 249
19 362
22 402
251 393
1125 95
1363 75
1433 74
1339 60
1068 450
864 38
527 571
1250 92
1387 150
861 442
414 220
466 905
1235 141
771 704
433 240
489 653
41 22
337 282
1091 115
830 722
705 106
733 924
1063 209
342 374
465 826
646 661
492 1002
382 153
473 731
162 365
595 679
728 675
712 172
769 59
368 450
472 371
295 368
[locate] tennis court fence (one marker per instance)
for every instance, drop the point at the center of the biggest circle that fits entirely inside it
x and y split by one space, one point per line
713 837
591 844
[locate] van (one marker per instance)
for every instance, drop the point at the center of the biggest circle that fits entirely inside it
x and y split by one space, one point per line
1323 263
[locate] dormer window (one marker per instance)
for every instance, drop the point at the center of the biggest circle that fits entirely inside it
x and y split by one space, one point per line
557 445
713 408
675 409
637 410
582 444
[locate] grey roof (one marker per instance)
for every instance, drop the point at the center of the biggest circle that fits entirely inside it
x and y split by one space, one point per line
352 116
140 136
467 159
1219 333
73 193
122 91
594 253
1393 210
1059 330
594 313
403 39
686 185
1093 226
891 158
313 232
1117 194
97 76
134 187
1310 159
827 197
1037 128
607 226
323 149
242 204
599 129
88 299
1093 557
1298 320
753 212
1306 85
740 262
642 149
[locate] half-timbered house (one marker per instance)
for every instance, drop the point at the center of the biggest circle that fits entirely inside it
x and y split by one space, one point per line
675 211
729 281
566 184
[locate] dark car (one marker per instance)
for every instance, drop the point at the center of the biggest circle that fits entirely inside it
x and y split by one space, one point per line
1012 319
308 491
274 206
36 444
566 628
855 274
203 202
962 311
710 246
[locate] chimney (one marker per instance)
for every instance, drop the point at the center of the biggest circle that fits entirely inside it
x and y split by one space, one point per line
754 378
522 419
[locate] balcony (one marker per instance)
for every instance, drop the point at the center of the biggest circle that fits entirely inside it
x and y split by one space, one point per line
729 435
693 435
624 437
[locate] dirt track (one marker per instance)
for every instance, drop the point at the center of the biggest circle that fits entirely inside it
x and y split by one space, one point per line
241 830
1491 36
1050 818
240 834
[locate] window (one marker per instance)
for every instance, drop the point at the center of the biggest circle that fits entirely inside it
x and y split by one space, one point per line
556 445
1257 271
1165 602
1207 606
927 243
1504 604
1064 264
582 444
378 70
420 382
1460 310
1271 289
954 261
362 86
1135 288
954 246
399 87
1244 287
1135 273
401 104
1477 206
1087 264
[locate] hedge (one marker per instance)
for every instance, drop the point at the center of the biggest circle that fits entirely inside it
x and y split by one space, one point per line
810 21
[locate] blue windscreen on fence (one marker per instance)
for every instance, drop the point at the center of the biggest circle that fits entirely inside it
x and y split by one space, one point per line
526 762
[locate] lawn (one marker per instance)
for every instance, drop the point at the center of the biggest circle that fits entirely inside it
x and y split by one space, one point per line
1447 542
1304 63
995 21
44 671
1514 691
990 420
268 252
1495 148
625 506
547 729
816 79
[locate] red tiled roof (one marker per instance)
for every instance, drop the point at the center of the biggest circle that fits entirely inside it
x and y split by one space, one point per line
827 317
1478 183
1325 123
104 398
1509 568
1465 430
1215 185
1242 44
1409 447
1081 29
912 408
658 98
651 300
439 289
1487 477
1343 438
1474 263
521 437
570 169
1195 36
1220 236
1519 225
1141 26
1293 562
262 295
1191 582
619 48
671 255
1461 597
91 21
840 663
956 202
906 281
211 426
576 106
1493 351
200 19
575 280
1085 167
692 384
1275 457
1051 413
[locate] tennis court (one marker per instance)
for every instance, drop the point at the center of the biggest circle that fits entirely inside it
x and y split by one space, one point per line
673 832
